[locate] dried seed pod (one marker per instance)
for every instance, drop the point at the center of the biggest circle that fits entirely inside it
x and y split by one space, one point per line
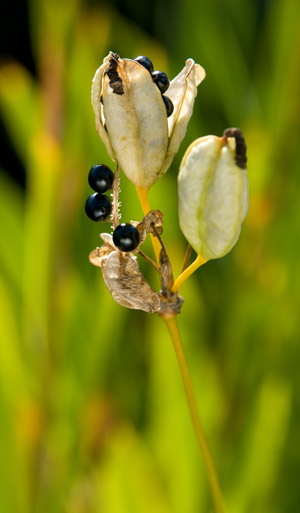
131 117
182 92
123 278
213 193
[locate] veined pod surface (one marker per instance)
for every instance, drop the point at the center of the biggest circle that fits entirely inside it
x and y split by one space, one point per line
213 193
123 278
131 116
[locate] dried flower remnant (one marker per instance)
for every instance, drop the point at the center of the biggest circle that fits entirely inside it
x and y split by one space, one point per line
123 278
152 223
131 116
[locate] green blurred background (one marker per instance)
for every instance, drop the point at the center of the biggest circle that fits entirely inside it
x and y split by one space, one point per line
92 412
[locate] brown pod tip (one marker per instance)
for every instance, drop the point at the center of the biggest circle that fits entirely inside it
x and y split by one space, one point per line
241 147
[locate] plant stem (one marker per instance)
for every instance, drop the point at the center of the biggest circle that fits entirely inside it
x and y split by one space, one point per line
149 260
217 497
143 197
183 276
172 326
116 187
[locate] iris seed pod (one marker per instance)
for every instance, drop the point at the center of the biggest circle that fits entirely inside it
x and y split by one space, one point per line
131 116
213 193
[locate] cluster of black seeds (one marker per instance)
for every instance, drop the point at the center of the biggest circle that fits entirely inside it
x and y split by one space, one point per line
98 207
160 79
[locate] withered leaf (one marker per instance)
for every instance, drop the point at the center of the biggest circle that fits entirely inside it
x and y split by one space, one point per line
152 223
124 280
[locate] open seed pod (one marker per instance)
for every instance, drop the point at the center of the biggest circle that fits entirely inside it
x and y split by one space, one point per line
131 116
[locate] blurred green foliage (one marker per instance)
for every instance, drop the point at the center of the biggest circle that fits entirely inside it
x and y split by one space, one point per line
92 413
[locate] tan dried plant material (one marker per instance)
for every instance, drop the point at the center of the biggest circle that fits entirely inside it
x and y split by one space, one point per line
123 278
134 115
182 92
167 279
131 116
152 223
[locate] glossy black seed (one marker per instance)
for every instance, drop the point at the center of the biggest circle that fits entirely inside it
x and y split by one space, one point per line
101 178
126 237
98 207
161 80
145 61
169 105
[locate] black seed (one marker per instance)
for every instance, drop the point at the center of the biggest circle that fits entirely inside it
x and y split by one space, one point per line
101 178
169 105
161 80
145 61
98 207
126 237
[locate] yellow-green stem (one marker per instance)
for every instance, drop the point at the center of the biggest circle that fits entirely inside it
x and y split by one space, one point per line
144 201
183 276
172 326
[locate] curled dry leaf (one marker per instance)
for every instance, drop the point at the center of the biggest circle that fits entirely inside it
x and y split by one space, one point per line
151 223
123 278
131 116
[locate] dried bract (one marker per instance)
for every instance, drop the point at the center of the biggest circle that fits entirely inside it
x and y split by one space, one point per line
123 278
213 193
152 223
